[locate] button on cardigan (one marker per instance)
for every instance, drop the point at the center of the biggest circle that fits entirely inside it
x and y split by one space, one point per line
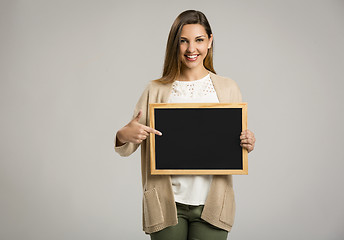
159 208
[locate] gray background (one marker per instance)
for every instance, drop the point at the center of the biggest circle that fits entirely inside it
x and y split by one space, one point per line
72 71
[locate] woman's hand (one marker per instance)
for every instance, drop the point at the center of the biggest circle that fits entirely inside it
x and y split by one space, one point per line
247 140
134 132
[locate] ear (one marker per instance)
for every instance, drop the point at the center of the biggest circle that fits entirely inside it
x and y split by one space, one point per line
210 41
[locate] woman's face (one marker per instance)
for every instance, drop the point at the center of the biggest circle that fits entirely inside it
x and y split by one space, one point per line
194 44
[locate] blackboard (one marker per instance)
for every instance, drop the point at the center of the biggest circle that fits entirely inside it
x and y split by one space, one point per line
198 138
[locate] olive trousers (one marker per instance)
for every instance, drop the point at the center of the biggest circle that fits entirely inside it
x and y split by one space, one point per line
190 226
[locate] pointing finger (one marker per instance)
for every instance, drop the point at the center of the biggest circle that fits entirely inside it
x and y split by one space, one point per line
152 130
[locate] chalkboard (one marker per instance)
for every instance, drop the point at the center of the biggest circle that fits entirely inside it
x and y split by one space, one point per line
198 138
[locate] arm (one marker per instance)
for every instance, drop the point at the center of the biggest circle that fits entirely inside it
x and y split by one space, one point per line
131 135
247 138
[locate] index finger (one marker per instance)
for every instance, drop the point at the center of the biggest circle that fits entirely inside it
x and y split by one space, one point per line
152 130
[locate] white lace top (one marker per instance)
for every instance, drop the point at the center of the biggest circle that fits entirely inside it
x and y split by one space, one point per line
201 90
192 189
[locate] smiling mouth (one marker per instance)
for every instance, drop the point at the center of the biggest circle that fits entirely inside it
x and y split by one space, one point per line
192 57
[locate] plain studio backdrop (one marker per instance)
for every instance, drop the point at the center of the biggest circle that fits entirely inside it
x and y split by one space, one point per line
72 71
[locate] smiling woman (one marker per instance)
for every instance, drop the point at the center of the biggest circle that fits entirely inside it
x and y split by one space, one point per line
189 33
194 46
190 206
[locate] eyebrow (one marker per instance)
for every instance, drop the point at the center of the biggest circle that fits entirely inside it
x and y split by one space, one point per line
195 37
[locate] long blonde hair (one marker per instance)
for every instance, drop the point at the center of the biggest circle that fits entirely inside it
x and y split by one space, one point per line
172 64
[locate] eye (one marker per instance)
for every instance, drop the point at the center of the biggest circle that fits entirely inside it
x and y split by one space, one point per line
200 40
182 40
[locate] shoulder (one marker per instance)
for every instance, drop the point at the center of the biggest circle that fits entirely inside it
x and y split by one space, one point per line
226 88
154 86
156 91
224 81
149 86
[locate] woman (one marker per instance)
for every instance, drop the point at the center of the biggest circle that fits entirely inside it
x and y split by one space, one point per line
184 207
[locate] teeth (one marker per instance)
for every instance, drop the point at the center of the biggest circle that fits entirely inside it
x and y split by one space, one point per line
192 56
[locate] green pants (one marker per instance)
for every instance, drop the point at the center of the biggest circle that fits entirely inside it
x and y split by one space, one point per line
190 226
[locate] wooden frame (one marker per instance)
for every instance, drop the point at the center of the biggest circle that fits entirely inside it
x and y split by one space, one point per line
209 108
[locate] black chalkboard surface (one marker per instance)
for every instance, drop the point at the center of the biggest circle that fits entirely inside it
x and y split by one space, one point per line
198 138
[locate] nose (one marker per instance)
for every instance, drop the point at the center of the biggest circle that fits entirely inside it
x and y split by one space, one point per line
191 47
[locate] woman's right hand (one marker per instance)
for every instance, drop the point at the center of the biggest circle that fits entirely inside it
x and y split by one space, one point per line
134 132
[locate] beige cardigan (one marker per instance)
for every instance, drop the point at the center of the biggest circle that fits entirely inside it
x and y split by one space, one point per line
159 209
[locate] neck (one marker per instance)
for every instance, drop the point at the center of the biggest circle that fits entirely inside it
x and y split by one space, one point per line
192 74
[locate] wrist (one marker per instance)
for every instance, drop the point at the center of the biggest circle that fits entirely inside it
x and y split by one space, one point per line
119 140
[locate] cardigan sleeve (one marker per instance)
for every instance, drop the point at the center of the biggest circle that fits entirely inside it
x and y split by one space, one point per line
128 148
